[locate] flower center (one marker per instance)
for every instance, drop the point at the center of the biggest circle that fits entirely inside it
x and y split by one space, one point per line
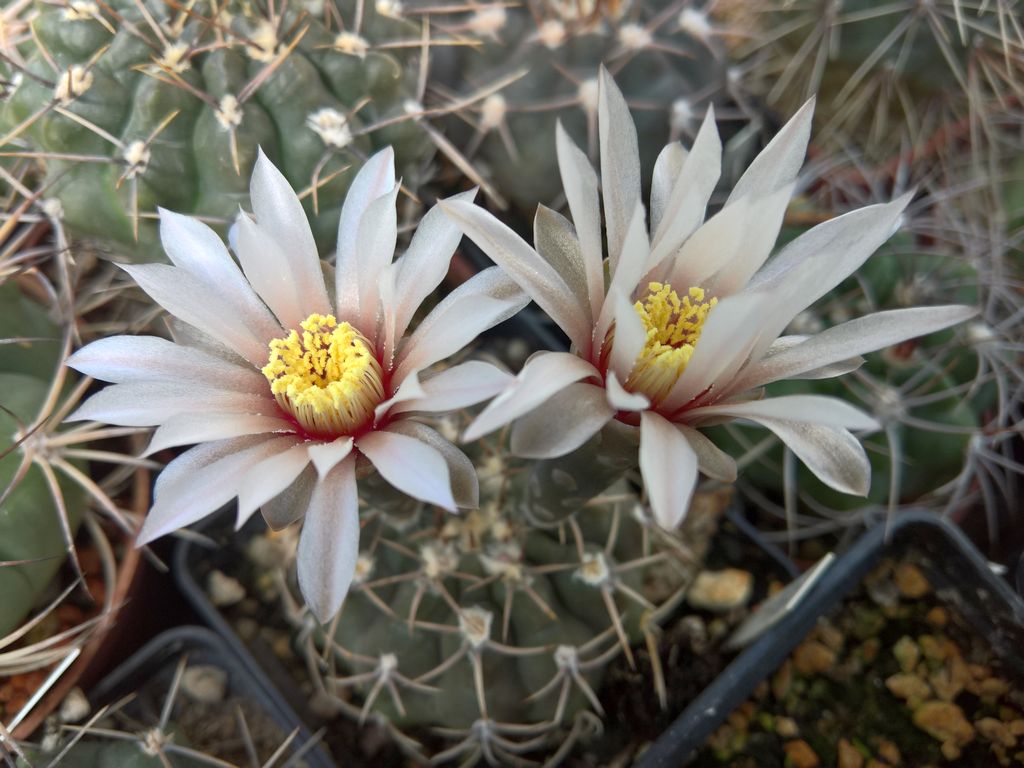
326 376
673 327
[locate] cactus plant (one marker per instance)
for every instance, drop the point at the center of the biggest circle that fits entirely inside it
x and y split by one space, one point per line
131 106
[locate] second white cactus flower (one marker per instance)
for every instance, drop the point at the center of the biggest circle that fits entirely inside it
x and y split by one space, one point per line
686 332
282 388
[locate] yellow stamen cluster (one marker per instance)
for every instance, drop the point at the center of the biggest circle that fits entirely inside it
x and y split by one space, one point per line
326 376
673 327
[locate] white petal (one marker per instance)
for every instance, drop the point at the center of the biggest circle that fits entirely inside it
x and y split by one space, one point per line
667 168
561 424
329 542
757 239
544 374
630 337
831 453
423 266
458 387
555 240
620 164
624 280
668 464
291 504
195 248
122 359
729 332
462 473
189 336
580 183
409 389
291 293
852 338
378 233
815 409
779 163
326 456
192 428
411 466
238 320
279 214
194 485
622 400
375 178
269 478
148 403
483 301
691 191
712 460
525 266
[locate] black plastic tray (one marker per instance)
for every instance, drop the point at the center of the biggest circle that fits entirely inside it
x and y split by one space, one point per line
157 660
961 575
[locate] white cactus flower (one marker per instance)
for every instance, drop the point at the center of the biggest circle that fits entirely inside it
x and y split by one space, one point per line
281 389
686 332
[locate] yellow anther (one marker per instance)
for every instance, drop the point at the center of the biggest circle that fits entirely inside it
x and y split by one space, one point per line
673 327
326 376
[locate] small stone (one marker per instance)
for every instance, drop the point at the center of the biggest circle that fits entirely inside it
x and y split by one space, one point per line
910 581
800 755
937 647
812 657
847 755
945 722
786 727
224 590
889 752
907 653
1016 727
781 680
948 681
831 636
996 731
993 687
205 683
910 688
938 617
720 591
75 707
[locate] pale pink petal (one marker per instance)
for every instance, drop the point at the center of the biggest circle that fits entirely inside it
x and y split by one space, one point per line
279 215
691 190
423 266
291 504
189 336
561 424
525 266
555 240
409 389
668 464
326 456
630 336
620 164
148 403
711 246
580 183
779 163
375 243
712 460
122 359
852 338
375 178
457 387
201 481
269 478
240 322
667 168
622 400
625 278
483 301
729 332
543 375
291 295
192 428
464 482
831 453
329 542
817 409
195 248
411 466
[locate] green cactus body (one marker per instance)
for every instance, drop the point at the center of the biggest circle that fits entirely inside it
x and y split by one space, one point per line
475 622
669 73
115 70
29 526
115 754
